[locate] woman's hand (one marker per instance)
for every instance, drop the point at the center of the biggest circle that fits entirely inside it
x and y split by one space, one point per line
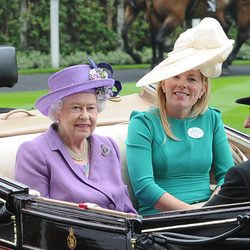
216 191
168 202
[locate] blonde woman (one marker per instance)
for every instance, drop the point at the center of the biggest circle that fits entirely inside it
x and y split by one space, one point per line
171 149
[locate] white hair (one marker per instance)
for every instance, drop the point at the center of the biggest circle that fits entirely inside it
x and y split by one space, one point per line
54 109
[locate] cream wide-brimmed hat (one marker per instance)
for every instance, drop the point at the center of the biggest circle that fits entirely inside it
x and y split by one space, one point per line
203 47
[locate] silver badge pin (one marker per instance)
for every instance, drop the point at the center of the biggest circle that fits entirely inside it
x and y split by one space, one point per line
195 132
105 150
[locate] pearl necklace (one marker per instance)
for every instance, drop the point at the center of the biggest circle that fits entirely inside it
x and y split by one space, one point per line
81 156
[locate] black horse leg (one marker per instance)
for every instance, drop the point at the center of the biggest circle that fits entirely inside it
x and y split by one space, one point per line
154 55
161 39
241 38
129 20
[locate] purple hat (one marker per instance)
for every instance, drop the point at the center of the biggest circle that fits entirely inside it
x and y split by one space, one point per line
76 79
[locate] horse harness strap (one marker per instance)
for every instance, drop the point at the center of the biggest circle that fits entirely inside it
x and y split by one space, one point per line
193 5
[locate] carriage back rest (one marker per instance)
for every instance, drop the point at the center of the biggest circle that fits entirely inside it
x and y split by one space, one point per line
119 133
9 146
238 155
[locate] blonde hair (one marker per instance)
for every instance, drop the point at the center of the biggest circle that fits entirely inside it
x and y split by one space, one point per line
199 107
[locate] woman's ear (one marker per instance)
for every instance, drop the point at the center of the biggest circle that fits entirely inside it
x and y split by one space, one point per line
203 90
163 88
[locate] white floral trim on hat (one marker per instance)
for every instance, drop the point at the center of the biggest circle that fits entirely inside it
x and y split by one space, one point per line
103 93
97 73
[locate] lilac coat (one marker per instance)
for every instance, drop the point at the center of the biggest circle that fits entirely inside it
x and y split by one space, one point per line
45 165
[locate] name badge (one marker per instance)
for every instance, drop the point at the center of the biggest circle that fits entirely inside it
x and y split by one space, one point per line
195 132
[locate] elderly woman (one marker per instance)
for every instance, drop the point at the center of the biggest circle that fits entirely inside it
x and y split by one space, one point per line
172 148
68 162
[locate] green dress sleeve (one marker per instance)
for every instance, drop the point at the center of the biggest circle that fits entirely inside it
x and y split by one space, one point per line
139 159
222 156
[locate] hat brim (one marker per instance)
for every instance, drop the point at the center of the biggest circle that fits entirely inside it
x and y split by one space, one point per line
191 60
245 100
43 103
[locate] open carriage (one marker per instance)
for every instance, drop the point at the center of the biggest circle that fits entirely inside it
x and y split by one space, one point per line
30 222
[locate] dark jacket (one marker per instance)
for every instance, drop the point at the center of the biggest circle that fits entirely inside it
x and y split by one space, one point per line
236 187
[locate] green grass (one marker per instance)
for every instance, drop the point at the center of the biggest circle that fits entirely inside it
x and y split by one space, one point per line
22 99
241 62
225 90
26 99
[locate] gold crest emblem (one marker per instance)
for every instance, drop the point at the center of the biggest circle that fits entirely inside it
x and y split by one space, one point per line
71 239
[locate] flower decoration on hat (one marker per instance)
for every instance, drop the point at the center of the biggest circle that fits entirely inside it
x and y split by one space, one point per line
103 93
97 74
99 71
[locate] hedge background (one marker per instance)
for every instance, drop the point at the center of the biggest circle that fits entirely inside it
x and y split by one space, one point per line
87 27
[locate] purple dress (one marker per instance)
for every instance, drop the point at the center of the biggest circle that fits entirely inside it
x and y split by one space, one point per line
45 165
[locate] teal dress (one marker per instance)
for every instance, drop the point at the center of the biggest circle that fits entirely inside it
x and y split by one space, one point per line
159 164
